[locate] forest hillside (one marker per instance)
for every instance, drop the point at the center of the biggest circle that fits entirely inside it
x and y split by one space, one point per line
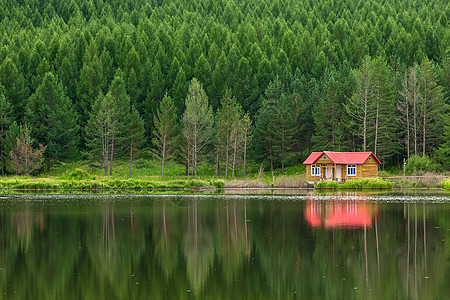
273 80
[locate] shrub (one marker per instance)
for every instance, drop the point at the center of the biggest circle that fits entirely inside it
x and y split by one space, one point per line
418 165
366 183
446 184
78 174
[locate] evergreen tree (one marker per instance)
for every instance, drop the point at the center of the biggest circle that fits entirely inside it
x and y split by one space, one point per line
135 135
5 122
24 158
100 129
276 125
362 105
50 113
197 123
431 107
165 132
120 115
14 87
227 125
329 113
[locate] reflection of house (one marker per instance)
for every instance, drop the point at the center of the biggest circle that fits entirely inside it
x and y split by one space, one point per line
341 166
340 214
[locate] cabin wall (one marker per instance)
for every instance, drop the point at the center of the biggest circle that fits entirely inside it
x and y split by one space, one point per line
310 178
367 170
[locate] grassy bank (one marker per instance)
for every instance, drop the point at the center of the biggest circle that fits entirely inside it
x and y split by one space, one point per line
81 180
368 183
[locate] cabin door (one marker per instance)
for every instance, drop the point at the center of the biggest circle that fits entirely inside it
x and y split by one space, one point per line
329 173
338 173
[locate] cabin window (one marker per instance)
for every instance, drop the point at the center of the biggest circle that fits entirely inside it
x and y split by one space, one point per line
313 170
351 170
370 157
324 157
317 171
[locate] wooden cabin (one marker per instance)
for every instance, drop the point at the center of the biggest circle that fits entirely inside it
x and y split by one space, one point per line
341 166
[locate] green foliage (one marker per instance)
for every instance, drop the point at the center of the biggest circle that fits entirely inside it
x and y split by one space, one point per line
418 165
78 174
166 132
197 123
446 184
366 183
54 122
5 121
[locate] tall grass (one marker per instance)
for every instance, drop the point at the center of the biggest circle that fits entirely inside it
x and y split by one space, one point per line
106 184
366 183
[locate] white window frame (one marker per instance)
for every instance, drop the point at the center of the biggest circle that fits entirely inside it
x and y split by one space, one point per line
317 171
313 170
351 167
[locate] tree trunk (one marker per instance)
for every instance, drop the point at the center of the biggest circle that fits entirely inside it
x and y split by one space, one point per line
163 156
188 158
227 154
366 100
234 156
376 131
407 130
217 157
245 150
131 156
424 108
112 156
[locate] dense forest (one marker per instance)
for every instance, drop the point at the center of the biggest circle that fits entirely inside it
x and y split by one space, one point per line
222 80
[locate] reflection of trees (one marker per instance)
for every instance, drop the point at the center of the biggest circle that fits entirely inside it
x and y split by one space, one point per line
114 245
220 249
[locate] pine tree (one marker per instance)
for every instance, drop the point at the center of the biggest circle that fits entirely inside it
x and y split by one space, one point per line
362 105
165 132
197 122
247 136
24 158
276 125
14 87
120 115
227 121
431 107
50 113
5 122
100 129
135 135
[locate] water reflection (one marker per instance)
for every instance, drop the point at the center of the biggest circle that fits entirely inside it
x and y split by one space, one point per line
339 211
193 247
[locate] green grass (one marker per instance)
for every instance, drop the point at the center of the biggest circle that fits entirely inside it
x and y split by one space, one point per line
95 184
366 183
446 184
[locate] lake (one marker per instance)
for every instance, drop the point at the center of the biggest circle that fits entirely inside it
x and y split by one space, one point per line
310 246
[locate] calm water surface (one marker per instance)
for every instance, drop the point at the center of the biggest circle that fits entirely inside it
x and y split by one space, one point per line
342 246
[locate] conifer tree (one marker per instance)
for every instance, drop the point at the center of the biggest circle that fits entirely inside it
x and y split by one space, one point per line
100 129
197 122
135 135
431 106
227 122
5 122
24 158
50 113
120 115
165 132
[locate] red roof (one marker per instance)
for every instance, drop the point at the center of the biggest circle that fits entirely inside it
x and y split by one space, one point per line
312 158
341 158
